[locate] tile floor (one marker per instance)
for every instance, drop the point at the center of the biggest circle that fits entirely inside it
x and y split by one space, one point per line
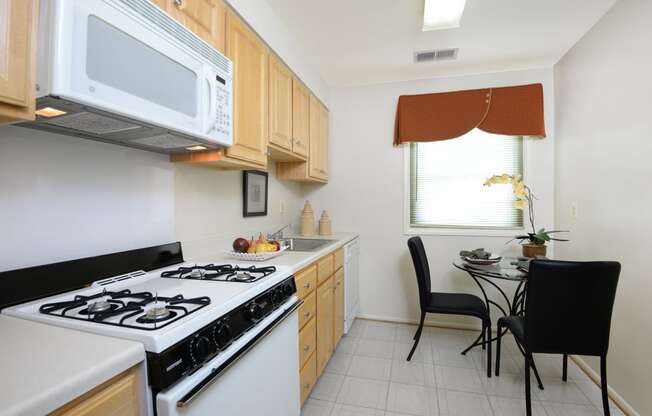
368 375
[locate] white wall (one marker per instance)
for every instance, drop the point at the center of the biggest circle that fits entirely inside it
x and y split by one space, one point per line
209 209
260 15
63 197
366 190
604 100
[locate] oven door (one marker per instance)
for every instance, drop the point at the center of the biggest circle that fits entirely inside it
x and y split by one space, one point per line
105 56
257 374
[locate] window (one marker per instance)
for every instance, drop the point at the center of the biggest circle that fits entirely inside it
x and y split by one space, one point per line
446 182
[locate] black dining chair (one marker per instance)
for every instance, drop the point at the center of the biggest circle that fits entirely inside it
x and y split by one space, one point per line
445 303
568 308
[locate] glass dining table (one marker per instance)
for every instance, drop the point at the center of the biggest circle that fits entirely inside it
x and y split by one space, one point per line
495 278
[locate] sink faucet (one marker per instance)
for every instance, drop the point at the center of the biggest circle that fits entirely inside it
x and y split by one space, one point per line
278 235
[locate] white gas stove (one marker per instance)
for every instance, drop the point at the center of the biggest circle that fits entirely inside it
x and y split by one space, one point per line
213 332
157 311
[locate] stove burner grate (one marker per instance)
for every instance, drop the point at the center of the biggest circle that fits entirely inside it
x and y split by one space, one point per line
150 311
221 273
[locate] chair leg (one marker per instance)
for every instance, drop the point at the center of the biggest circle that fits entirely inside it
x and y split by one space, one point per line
484 340
498 341
528 397
603 385
564 375
489 350
417 336
536 373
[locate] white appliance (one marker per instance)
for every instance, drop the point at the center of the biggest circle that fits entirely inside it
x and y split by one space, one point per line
123 71
229 345
351 282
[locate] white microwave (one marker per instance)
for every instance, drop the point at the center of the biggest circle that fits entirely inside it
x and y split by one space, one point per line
125 72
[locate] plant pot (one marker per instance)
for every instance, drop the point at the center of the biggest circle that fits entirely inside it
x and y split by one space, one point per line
534 250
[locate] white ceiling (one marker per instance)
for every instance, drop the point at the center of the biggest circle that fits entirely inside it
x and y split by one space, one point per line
369 41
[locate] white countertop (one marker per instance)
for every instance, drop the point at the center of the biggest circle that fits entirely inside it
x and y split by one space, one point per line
44 367
296 260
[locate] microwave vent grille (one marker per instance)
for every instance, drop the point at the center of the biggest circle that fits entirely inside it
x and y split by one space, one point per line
160 19
92 123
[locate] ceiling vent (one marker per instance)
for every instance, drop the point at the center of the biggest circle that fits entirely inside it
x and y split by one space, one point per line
435 55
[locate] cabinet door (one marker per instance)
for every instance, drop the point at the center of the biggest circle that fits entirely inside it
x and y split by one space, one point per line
324 324
280 104
323 141
206 18
250 59
338 302
314 161
17 59
300 118
117 397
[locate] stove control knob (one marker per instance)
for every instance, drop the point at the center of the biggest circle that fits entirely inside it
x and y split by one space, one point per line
222 334
254 311
278 295
288 288
200 348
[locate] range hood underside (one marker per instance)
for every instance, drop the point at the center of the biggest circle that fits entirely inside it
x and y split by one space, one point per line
90 123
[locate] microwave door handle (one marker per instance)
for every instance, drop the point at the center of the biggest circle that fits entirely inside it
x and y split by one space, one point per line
218 371
210 112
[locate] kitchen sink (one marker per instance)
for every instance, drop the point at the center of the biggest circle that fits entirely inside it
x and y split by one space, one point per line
305 244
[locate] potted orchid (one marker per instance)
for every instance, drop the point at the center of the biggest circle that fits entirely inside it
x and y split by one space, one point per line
534 243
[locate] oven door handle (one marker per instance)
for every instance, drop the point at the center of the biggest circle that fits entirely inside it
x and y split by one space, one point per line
218 371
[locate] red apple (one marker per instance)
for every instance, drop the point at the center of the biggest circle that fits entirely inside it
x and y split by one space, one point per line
240 245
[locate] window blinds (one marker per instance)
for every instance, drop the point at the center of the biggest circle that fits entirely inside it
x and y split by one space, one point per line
446 182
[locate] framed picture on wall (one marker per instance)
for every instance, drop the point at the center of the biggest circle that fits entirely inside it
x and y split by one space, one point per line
254 193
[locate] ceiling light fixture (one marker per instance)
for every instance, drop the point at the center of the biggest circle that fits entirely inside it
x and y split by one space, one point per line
195 148
442 14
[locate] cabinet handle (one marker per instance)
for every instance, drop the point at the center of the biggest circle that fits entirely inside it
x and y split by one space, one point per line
307 314
306 386
307 286
306 348
181 4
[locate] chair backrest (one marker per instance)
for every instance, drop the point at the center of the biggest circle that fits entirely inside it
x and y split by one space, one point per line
568 306
421 268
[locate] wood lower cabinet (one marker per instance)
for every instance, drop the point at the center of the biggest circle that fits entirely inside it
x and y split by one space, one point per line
308 377
18 30
307 341
325 318
117 397
206 18
338 307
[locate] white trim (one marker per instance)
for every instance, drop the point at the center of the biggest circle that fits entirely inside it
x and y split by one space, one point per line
625 407
469 232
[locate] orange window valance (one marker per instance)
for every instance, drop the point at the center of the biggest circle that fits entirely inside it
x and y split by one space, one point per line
515 111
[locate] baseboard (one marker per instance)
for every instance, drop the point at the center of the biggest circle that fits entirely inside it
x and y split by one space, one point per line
428 322
613 394
595 377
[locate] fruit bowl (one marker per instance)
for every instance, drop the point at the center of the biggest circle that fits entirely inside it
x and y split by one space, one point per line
255 256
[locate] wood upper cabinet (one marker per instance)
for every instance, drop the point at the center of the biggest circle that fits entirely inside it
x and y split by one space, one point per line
206 18
323 142
250 86
314 158
280 104
18 23
325 315
338 306
300 118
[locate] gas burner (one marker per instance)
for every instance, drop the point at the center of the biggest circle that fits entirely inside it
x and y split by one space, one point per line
131 310
221 273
